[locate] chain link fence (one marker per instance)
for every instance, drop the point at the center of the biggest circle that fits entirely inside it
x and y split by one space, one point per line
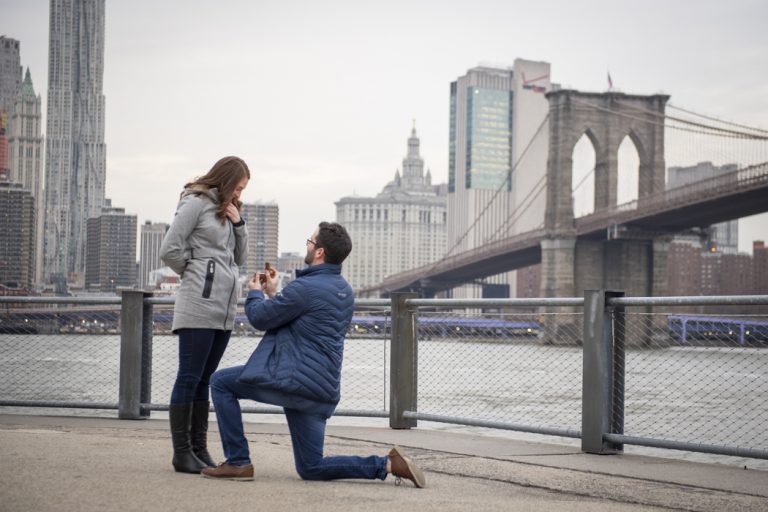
513 367
57 353
695 378
68 355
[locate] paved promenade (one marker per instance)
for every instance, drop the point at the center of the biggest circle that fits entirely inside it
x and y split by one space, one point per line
92 464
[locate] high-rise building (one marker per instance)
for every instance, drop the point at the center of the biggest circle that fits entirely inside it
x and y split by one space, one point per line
111 248
17 237
10 73
724 236
498 143
75 159
403 227
262 220
25 152
152 234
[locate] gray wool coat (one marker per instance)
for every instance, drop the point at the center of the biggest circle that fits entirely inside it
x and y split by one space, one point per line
206 254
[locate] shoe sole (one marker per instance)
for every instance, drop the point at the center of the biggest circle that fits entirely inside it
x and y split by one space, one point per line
234 478
418 476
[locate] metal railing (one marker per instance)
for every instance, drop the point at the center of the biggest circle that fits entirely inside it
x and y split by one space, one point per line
606 369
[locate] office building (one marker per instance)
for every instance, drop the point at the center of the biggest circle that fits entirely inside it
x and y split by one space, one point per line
151 236
25 154
10 73
403 227
498 145
75 159
111 246
262 220
17 237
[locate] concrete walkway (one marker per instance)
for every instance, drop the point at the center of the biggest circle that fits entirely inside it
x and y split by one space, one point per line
92 464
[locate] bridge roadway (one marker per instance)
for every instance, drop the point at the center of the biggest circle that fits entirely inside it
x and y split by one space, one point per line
726 197
90 464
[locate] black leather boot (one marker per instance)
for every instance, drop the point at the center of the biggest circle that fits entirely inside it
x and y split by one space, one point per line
199 432
184 460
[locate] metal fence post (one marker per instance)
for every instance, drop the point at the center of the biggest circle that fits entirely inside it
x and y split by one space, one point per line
147 328
403 363
600 389
135 355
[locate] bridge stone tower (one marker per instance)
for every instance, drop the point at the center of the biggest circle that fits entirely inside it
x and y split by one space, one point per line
635 263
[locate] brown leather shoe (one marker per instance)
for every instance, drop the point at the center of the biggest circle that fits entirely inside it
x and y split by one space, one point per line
226 471
403 467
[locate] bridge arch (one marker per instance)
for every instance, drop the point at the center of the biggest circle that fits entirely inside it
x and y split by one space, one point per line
606 118
628 169
583 174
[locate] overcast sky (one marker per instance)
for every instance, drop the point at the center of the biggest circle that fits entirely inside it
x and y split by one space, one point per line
319 96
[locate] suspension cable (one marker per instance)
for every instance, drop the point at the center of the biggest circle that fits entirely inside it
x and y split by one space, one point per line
703 128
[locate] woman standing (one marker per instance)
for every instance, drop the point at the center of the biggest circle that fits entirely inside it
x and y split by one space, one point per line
204 245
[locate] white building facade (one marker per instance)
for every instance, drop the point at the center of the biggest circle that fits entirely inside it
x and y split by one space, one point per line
151 238
403 227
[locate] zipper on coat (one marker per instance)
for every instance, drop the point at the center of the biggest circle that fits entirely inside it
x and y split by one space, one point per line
234 277
210 270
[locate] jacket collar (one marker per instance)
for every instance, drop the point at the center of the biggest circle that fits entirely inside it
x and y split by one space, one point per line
323 268
211 193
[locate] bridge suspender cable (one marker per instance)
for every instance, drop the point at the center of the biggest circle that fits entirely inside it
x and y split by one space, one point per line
702 128
703 116
538 188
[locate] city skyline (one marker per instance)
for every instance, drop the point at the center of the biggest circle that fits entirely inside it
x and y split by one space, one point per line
315 97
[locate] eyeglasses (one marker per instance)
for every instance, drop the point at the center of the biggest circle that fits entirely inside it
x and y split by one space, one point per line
310 241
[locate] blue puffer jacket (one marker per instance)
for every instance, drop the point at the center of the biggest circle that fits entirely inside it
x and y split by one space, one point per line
299 359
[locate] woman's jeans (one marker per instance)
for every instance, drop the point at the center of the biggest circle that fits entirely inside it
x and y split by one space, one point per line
200 351
307 435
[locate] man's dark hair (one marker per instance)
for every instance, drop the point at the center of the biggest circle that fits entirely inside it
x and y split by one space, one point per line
335 240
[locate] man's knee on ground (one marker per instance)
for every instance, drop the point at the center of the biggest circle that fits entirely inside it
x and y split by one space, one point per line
310 473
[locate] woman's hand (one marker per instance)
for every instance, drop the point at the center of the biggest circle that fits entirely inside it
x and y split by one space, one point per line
232 213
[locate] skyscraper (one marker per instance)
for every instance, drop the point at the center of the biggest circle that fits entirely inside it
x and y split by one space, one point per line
152 235
111 248
10 73
403 227
25 149
262 220
17 237
497 154
75 167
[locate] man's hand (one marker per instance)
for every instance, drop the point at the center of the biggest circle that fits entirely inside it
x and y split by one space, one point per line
255 282
232 213
266 282
270 281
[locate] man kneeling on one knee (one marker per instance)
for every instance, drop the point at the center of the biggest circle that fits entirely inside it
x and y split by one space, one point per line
297 366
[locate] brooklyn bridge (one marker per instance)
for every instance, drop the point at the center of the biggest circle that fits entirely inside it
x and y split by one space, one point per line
620 246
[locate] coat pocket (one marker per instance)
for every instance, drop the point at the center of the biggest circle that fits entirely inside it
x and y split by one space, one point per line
210 270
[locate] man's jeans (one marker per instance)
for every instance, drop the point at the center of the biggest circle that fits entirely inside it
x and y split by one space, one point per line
200 351
307 435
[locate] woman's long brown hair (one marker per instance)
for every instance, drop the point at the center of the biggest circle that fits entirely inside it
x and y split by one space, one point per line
225 175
